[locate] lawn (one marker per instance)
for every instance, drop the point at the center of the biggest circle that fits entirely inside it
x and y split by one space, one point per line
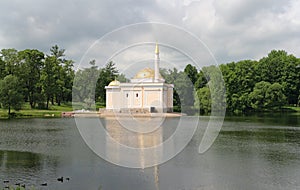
27 112
53 111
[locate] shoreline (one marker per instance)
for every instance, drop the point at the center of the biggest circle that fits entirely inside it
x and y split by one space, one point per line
113 115
59 113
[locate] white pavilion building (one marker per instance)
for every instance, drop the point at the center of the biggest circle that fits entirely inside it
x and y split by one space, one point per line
146 92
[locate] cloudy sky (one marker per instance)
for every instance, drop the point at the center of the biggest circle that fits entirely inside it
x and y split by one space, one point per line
232 30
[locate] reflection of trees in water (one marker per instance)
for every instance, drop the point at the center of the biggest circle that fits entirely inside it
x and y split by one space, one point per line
14 159
276 146
26 166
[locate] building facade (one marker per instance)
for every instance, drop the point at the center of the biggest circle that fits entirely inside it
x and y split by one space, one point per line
146 92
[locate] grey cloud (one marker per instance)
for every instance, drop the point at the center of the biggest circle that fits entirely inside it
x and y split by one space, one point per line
233 30
40 24
237 11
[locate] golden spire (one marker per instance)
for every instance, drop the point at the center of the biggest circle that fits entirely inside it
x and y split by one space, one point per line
156 49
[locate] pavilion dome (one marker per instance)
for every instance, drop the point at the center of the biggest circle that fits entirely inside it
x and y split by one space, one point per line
114 83
145 73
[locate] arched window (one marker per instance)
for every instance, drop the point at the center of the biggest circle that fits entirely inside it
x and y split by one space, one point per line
137 95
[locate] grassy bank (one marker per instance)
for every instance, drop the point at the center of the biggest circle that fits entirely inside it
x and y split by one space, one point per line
27 112
55 111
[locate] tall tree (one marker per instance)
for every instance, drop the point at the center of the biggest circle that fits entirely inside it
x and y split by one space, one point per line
217 88
2 69
203 100
58 55
106 75
68 77
57 77
282 68
240 79
201 80
275 97
192 72
258 95
11 60
57 52
48 79
85 83
31 66
270 68
11 93
185 89
170 77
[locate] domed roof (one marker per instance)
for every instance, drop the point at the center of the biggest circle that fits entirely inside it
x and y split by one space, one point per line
114 83
145 73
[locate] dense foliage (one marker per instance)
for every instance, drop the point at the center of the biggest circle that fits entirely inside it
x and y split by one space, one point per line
264 85
40 78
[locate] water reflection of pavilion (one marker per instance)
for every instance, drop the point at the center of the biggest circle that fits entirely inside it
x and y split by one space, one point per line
124 134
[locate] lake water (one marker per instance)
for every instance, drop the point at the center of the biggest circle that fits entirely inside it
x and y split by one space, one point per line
257 152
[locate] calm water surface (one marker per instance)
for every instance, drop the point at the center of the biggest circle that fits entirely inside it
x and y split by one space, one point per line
261 152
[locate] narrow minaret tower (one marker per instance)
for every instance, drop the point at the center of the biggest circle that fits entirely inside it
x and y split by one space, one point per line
156 64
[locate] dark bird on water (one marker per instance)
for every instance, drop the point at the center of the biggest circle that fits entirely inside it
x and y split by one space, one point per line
44 184
61 179
18 184
6 181
67 178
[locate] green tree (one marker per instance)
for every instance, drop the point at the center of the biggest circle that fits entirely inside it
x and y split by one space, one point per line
258 95
217 88
282 68
270 68
240 79
275 98
57 52
68 77
191 72
11 61
122 78
201 80
106 75
170 77
57 77
85 83
58 60
290 79
185 89
48 79
2 69
203 100
31 66
11 93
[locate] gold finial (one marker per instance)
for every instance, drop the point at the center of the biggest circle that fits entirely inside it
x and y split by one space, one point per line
156 49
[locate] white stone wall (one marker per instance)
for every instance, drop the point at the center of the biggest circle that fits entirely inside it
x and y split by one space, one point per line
113 98
137 95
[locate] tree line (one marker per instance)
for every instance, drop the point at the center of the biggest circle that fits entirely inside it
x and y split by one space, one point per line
43 80
252 86
34 77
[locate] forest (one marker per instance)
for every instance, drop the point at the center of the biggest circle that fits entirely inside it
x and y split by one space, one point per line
41 80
